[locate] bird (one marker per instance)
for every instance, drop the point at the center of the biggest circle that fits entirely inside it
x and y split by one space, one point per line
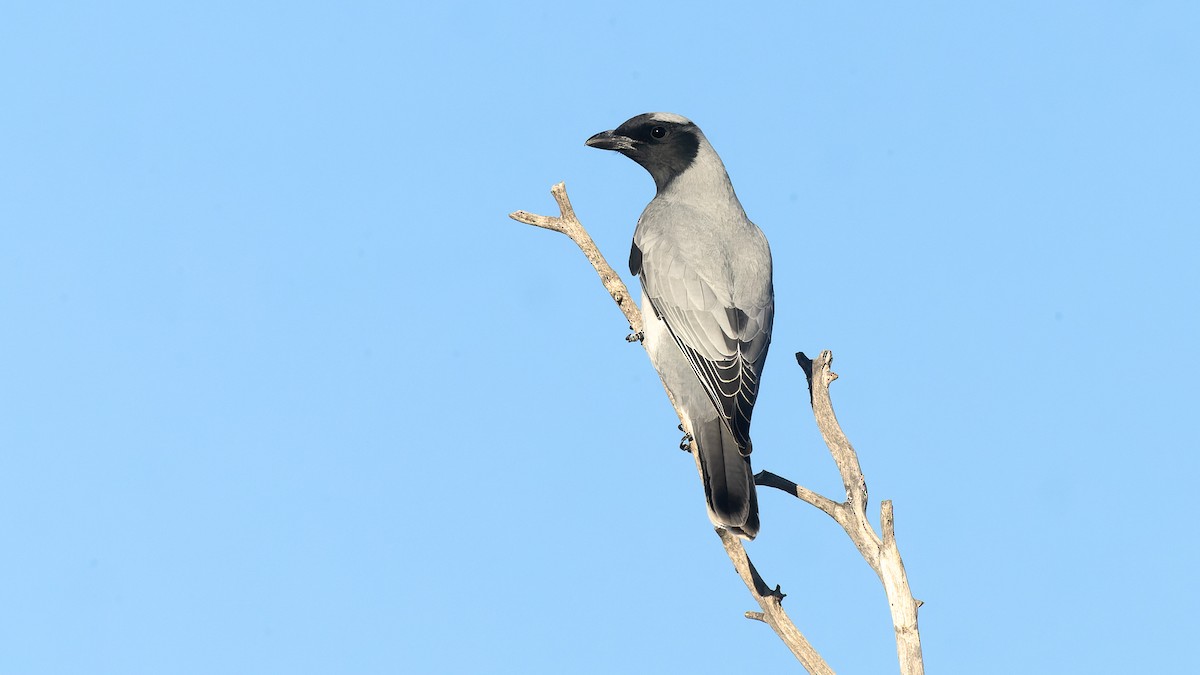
707 299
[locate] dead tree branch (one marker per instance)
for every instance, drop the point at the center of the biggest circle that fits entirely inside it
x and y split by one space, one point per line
568 224
881 554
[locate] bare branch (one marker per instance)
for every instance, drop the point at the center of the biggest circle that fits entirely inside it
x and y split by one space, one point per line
568 224
819 377
822 502
769 600
881 554
887 521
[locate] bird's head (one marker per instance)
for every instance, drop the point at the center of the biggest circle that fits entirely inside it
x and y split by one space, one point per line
664 144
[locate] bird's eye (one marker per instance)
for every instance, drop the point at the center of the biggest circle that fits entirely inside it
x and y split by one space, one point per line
658 132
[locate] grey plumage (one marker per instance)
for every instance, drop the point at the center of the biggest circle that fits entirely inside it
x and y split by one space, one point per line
706 298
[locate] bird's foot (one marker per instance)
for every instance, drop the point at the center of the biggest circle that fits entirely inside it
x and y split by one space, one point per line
686 443
635 337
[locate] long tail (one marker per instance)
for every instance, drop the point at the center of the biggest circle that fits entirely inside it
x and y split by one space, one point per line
728 479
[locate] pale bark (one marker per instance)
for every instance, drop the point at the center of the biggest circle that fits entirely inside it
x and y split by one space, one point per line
880 553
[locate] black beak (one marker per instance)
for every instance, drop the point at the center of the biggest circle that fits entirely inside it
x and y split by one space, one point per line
610 140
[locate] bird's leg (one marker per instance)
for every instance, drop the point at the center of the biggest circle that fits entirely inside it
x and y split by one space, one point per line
685 444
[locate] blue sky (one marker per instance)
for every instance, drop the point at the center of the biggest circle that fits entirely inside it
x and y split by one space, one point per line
284 390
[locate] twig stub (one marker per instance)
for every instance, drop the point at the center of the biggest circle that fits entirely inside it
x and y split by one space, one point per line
881 554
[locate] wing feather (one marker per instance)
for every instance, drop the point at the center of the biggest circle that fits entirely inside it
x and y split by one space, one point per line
725 345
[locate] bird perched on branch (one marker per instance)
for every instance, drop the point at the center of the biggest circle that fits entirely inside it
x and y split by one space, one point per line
707 300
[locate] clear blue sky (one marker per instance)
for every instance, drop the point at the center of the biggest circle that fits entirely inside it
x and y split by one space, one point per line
283 390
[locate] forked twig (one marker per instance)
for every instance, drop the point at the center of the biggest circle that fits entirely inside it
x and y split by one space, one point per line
880 553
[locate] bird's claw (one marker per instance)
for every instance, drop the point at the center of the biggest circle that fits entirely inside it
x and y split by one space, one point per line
686 443
635 337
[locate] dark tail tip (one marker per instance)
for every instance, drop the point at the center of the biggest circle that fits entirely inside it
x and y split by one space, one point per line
728 480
